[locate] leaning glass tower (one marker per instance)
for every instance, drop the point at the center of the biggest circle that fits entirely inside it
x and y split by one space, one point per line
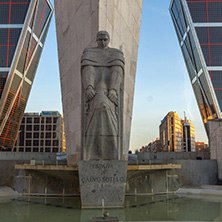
23 28
198 25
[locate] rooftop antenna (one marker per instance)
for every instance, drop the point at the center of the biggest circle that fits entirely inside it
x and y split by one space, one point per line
185 118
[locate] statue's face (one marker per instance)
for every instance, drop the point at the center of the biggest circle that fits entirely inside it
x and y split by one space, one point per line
103 41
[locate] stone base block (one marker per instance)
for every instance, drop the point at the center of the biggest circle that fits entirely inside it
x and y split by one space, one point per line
102 183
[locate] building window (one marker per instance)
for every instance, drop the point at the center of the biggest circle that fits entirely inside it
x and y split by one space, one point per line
36 135
171 129
48 127
27 149
23 120
164 137
42 135
48 135
36 127
28 127
54 135
36 120
47 149
28 142
42 128
54 127
48 142
35 142
42 142
171 120
55 150
48 120
35 149
55 119
21 149
29 120
28 135
42 120
55 142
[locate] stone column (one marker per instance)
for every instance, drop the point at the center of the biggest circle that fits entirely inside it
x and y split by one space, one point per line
215 143
77 23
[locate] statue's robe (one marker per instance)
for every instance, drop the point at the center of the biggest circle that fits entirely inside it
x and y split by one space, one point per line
103 70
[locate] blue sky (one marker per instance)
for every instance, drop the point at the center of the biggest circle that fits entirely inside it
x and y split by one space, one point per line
162 83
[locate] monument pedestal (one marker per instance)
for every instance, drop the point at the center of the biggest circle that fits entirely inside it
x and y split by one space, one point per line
102 183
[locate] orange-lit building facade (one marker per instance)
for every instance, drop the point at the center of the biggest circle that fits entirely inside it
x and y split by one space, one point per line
42 132
176 135
201 146
23 28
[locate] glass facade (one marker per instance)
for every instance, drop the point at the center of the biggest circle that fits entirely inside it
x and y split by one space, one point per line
198 25
23 28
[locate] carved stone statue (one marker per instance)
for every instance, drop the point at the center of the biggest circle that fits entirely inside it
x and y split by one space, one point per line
102 72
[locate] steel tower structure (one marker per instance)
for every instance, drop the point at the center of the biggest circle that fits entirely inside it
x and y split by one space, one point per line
23 28
198 25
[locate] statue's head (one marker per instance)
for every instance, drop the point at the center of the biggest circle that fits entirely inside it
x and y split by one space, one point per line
103 39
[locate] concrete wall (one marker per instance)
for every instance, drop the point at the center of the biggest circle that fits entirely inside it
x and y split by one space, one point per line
8 160
8 172
192 172
30 182
77 23
27 156
215 142
197 172
151 181
174 155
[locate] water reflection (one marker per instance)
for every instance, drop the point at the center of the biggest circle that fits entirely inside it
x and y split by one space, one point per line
137 208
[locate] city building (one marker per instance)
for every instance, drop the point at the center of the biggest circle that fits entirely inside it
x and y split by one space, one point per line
188 137
42 132
201 146
171 133
153 146
198 27
23 28
143 148
176 135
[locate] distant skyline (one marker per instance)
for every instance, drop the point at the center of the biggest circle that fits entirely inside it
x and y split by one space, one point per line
162 82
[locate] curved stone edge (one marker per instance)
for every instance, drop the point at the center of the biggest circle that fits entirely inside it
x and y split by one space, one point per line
8 192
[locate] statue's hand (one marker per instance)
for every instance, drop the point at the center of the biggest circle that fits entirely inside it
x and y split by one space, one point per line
112 95
90 93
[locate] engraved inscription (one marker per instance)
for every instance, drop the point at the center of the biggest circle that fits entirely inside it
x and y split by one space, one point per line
101 166
103 180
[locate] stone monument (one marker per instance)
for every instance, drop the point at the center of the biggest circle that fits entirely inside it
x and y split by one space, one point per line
102 172
102 98
77 23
